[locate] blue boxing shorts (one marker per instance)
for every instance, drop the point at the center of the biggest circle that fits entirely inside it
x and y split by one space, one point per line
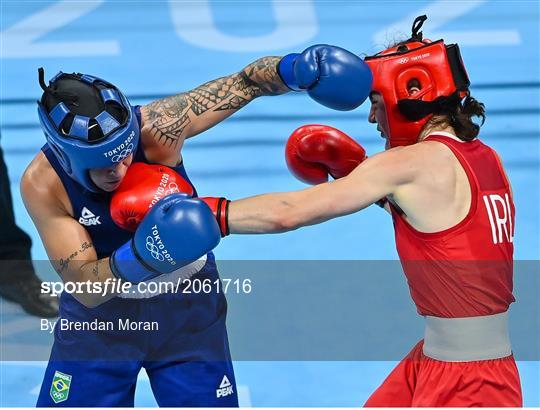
186 356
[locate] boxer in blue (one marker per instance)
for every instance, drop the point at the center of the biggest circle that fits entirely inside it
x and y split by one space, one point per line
93 136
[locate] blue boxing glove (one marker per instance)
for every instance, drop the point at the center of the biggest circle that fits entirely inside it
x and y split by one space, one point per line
176 231
332 76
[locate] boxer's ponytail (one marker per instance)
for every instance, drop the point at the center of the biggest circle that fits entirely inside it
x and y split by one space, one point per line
459 115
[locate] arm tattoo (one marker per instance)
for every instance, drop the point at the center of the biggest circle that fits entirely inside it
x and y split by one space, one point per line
63 263
169 117
264 74
95 269
85 246
218 95
99 267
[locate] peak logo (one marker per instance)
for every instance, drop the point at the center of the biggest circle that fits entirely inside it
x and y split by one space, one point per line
88 218
225 388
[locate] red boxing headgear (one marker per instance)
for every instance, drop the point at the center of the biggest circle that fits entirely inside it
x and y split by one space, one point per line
436 67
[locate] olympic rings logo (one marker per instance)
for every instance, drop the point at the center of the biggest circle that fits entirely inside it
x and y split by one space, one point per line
123 154
153 249
172 188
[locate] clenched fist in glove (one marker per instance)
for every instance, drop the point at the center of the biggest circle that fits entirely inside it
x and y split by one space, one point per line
175 232
332 76
315 151
142 187
145 185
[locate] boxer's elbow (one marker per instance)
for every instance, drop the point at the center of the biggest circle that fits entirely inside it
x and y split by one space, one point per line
287 218
89 301
283 224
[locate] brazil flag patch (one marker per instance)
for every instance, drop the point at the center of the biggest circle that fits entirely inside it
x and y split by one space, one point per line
60 387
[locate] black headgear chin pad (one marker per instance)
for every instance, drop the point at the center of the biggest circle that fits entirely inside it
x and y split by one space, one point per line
415 110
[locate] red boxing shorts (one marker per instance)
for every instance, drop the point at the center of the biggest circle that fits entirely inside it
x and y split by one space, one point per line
420 381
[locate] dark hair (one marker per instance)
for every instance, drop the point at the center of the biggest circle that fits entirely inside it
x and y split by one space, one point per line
82 99
459 117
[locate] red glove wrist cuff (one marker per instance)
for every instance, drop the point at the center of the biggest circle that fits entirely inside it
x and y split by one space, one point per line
222 216
220 208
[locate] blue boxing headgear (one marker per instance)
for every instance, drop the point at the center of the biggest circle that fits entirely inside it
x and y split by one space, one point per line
88 123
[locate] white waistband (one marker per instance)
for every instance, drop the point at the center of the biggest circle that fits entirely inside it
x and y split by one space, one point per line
467 339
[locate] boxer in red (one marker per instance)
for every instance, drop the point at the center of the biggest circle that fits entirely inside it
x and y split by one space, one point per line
453 213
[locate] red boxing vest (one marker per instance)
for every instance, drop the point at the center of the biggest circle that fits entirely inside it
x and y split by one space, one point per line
466 270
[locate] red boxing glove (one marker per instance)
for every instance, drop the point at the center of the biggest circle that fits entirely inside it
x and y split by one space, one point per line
314 151
142 187
220 208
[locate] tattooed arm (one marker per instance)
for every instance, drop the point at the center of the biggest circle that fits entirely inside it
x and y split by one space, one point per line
171 120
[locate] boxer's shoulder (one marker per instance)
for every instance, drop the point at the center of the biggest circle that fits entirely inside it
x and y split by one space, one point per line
41 187
438 157
427 153
418 162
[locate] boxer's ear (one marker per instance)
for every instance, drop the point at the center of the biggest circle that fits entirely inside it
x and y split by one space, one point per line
413 87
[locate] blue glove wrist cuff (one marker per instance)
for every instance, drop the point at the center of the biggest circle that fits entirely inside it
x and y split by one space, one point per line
286 71
126 265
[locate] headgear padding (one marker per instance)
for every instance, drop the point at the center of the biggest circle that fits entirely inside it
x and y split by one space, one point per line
436 68
88 123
